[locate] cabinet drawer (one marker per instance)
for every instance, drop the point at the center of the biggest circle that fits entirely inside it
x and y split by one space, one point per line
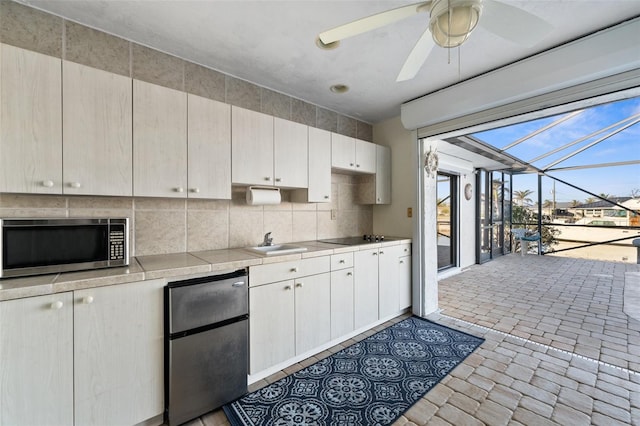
341 261
274 272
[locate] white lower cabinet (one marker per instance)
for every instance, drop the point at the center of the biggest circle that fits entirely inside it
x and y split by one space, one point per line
313 321
404 280
91 357
36 361
341 302
365 269
388 281
119 353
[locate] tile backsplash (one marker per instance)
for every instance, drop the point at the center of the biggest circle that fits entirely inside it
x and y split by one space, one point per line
167 225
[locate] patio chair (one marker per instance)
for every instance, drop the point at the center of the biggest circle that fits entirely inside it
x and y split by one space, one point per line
520 234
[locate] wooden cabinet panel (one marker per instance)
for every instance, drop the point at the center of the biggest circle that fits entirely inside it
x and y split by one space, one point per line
119 353
342 294
36 367
291 154
313 311
365 156
209 148
271 325
159 141
251 147
97 116
30 122
365 287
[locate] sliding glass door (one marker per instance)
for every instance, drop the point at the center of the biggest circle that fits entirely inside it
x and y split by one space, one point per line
494 219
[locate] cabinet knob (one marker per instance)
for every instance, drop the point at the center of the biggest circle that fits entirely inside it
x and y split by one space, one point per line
287 287
378 199
357 165
402 261
267 178
341 261
195 190
349 274
300 285
406 250
57 304
351 164
326 197
87 300
75 185
278 180
179 189
294 269
47 183
381 252
375 254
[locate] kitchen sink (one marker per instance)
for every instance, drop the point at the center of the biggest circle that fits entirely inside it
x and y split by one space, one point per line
276 249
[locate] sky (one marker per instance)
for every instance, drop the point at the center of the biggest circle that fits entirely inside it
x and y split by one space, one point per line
623 146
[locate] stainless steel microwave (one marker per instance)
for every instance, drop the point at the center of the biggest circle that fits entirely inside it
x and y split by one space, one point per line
46 246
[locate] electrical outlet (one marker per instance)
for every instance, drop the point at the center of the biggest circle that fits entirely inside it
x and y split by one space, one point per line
334 214
409 212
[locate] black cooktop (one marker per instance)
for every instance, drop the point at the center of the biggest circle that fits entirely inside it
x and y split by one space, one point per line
354 241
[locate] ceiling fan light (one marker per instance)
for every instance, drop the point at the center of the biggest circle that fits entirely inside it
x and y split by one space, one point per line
452 24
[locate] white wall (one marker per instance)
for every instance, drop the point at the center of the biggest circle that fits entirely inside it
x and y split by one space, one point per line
392 219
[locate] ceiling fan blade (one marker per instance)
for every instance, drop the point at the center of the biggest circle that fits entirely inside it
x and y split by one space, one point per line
513 24
417 57
370 23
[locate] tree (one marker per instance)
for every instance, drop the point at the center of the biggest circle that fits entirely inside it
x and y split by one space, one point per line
635 193
605 196
521 215
575 203
522 197
590 200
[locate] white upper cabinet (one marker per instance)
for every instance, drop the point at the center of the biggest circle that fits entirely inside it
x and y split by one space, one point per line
291 154
209 148
251 147
352 154
97 153
319 166
159 141
383 175
30 122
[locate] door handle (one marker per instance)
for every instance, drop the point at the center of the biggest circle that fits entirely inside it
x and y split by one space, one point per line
238 284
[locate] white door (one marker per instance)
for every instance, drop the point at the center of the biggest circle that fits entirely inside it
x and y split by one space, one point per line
271 325
97 155
365 287
313 311
251 147
209 148
30 122
36 361
341 302
159 141
119 353
291 154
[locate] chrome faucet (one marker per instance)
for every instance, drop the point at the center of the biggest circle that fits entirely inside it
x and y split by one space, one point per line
267 240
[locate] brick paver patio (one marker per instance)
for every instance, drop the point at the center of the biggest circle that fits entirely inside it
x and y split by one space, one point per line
559 348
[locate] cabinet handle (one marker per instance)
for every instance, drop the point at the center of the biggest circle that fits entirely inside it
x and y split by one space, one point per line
349 274
381 252
294 269
326 197
179 189
357 165
278 180
57 304
287 287
47 183
267 178
378 199
402 261
341 261
375 254
87 300
406 250
75 185
300 285
195 190
351 164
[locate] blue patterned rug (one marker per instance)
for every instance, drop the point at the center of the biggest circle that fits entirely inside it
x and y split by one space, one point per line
372 382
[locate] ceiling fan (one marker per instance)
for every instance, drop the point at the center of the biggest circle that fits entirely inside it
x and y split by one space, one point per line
450 24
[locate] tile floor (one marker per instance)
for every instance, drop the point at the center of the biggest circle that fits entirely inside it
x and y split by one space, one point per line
559 349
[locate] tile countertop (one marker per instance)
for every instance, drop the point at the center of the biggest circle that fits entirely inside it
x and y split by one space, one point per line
167 266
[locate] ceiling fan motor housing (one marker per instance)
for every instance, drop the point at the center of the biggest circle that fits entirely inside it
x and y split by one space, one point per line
452 21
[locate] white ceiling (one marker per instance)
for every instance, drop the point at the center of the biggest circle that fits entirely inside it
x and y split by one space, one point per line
272 43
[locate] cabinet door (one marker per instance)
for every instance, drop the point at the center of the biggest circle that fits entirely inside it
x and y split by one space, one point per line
404 282
291 154
365 156
365 287
388 281
251 147
209 148
159 141
96 123
319 166
119 353
343 152
30 122
36 367
383 175
271 325
312 311
341 302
